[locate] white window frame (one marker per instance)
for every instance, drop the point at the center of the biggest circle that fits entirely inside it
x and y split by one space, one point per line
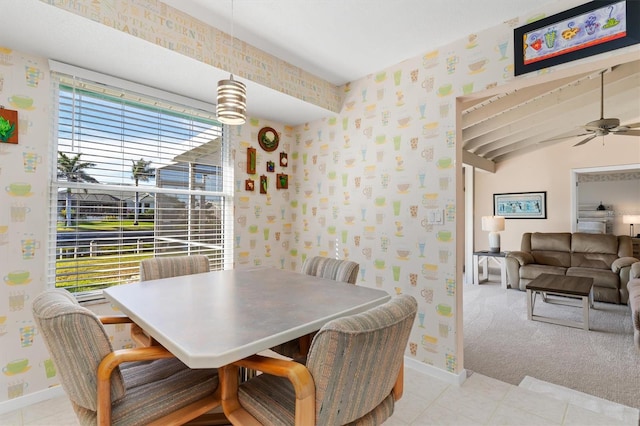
195 107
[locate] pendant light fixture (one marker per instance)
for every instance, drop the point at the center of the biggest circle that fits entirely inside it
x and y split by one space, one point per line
232 95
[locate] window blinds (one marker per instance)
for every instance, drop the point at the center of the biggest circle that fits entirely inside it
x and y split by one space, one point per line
135 176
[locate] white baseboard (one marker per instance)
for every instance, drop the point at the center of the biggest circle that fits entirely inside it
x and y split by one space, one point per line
32 398
438 373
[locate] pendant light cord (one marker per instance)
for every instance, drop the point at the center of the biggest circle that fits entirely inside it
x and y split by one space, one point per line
231 95
233 44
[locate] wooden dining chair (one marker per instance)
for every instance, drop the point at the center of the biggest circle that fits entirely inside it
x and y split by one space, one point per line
323 267
140 386
353 374
333 269
156 268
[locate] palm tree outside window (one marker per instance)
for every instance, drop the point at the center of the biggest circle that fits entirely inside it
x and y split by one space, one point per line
72 169
117 147
141 170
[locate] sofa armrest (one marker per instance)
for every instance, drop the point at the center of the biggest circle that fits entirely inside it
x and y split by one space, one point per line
635 271
514 260
522 257
622 262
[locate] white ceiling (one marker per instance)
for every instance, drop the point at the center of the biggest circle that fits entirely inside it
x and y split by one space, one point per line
337 40
344 40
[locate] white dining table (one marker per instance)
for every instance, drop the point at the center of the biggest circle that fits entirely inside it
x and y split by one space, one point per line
213 319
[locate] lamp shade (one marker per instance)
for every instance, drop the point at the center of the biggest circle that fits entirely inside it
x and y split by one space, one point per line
493 223
232 102
631 218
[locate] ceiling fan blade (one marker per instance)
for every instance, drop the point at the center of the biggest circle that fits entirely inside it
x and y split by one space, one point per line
565 137
628 133
583 141
631 126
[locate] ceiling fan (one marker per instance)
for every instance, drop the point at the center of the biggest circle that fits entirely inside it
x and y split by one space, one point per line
604 126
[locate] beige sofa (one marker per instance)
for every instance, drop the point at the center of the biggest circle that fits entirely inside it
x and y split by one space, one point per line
634 301
604 257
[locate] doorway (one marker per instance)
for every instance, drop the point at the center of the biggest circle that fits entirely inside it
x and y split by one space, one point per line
600 196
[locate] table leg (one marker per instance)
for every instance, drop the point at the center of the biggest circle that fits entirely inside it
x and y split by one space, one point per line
485 268
586 302
503 272
476 280
529 305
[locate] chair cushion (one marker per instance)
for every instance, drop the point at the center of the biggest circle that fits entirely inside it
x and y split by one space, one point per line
324 267
166 267
354 362
378 415
352 372
155 389
77 342
140 391
333 269
270 399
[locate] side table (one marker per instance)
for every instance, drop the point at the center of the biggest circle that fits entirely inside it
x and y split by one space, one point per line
484 256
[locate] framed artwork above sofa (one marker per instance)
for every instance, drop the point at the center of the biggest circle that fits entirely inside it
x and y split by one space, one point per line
520 205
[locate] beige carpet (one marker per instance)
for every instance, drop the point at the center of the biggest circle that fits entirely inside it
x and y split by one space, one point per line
500 342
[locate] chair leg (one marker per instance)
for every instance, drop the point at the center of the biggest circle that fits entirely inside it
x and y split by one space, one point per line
232 409
398 387
305 344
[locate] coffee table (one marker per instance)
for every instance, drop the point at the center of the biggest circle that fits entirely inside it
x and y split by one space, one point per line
568 288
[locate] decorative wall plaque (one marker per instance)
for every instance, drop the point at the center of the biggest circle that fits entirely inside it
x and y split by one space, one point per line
251 161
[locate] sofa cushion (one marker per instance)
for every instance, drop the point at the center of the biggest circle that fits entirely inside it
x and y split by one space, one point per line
594 251
601 277
552 249
552 258
532 270
551 241
594 243
593 260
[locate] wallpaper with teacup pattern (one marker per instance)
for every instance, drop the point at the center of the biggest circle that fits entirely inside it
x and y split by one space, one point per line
361 185
24 172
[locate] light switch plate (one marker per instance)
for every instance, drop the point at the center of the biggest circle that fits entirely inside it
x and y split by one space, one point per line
435 216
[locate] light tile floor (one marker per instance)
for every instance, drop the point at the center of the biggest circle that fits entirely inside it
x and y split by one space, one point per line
480 400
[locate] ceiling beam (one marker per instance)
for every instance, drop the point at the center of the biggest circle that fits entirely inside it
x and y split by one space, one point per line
565 99
509 125
478 162
498 104
555 122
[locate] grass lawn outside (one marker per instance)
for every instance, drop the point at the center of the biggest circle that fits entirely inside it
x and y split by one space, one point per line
106 225
98 272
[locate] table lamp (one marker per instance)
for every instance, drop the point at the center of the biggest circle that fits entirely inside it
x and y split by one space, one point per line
493 224
631 219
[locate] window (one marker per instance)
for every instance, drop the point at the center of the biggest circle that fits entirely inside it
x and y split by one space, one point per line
137 176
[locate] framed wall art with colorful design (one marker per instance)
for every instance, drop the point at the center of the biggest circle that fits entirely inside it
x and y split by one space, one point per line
585 30
8 125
